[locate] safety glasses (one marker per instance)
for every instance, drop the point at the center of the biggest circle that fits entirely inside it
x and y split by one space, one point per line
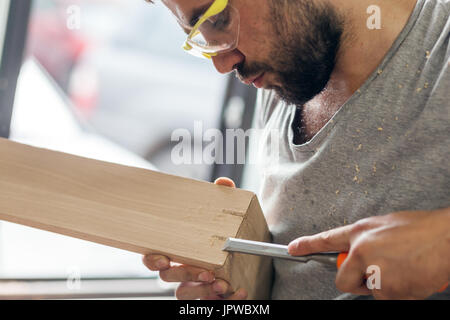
216 31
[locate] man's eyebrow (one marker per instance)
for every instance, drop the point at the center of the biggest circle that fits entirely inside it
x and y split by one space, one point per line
197 13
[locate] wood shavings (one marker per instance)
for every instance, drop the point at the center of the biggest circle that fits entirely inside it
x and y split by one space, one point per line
357 168
427 54
418 90
380 71
337 191
380 129
359 147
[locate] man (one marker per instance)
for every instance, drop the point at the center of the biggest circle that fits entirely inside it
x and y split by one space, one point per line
358 91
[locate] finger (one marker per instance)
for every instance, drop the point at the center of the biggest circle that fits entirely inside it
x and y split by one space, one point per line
360 291
156 262
332 240
382 295
184 273
194 290
378 295
222 288
204 291
223 181
240 294
350 277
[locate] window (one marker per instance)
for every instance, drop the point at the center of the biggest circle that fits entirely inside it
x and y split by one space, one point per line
107 80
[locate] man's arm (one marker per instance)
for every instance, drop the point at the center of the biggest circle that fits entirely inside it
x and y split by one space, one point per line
411 248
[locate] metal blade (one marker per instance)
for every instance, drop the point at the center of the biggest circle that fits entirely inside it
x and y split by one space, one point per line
275 251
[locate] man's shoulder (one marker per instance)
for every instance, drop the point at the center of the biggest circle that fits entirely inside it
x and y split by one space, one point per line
435 15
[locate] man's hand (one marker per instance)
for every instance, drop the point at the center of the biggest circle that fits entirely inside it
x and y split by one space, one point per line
195 283
411 248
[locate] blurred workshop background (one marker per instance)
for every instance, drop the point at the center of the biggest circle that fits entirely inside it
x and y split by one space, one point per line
105 79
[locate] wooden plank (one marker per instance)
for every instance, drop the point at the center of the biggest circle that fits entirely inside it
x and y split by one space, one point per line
134 209
251 272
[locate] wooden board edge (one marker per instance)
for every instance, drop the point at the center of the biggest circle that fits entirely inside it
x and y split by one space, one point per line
105 241
253 273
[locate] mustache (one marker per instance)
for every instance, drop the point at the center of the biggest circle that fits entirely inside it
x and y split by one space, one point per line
248 70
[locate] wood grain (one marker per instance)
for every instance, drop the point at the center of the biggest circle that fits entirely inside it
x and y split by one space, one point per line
134 209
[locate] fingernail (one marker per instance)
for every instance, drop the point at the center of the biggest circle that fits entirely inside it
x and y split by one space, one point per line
161 263
218 288
292 246
205 276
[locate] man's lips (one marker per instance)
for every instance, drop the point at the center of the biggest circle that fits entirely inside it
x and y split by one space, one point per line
256 81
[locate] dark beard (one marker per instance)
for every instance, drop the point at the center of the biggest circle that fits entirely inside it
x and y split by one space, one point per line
309 36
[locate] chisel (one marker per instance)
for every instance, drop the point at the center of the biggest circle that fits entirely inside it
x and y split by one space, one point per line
334 259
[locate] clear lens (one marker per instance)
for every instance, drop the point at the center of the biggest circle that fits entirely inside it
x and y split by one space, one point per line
218 34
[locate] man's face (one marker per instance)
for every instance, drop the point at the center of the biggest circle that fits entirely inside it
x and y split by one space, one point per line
286 45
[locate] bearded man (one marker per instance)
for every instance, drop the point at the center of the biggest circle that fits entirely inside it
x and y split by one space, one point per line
359 93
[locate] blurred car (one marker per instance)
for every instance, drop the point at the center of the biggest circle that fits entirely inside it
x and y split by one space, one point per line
140 86
43 117
55 46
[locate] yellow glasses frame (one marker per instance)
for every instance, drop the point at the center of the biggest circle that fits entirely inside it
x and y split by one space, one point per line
217 7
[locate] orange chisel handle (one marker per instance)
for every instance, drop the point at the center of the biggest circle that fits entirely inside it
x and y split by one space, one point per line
343 255
341 258
445 286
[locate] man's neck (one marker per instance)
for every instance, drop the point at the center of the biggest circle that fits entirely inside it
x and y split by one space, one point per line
363 49
361 52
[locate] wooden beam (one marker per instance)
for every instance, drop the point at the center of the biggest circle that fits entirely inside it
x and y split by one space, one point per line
135 209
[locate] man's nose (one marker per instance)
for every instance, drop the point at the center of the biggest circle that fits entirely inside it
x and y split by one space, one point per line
226 62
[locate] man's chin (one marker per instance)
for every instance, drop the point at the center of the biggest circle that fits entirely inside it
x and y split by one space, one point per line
290 98
290 93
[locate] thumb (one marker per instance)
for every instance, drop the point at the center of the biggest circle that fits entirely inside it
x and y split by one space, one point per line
225 182
332 240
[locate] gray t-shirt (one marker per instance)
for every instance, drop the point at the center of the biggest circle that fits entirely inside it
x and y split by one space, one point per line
387 149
